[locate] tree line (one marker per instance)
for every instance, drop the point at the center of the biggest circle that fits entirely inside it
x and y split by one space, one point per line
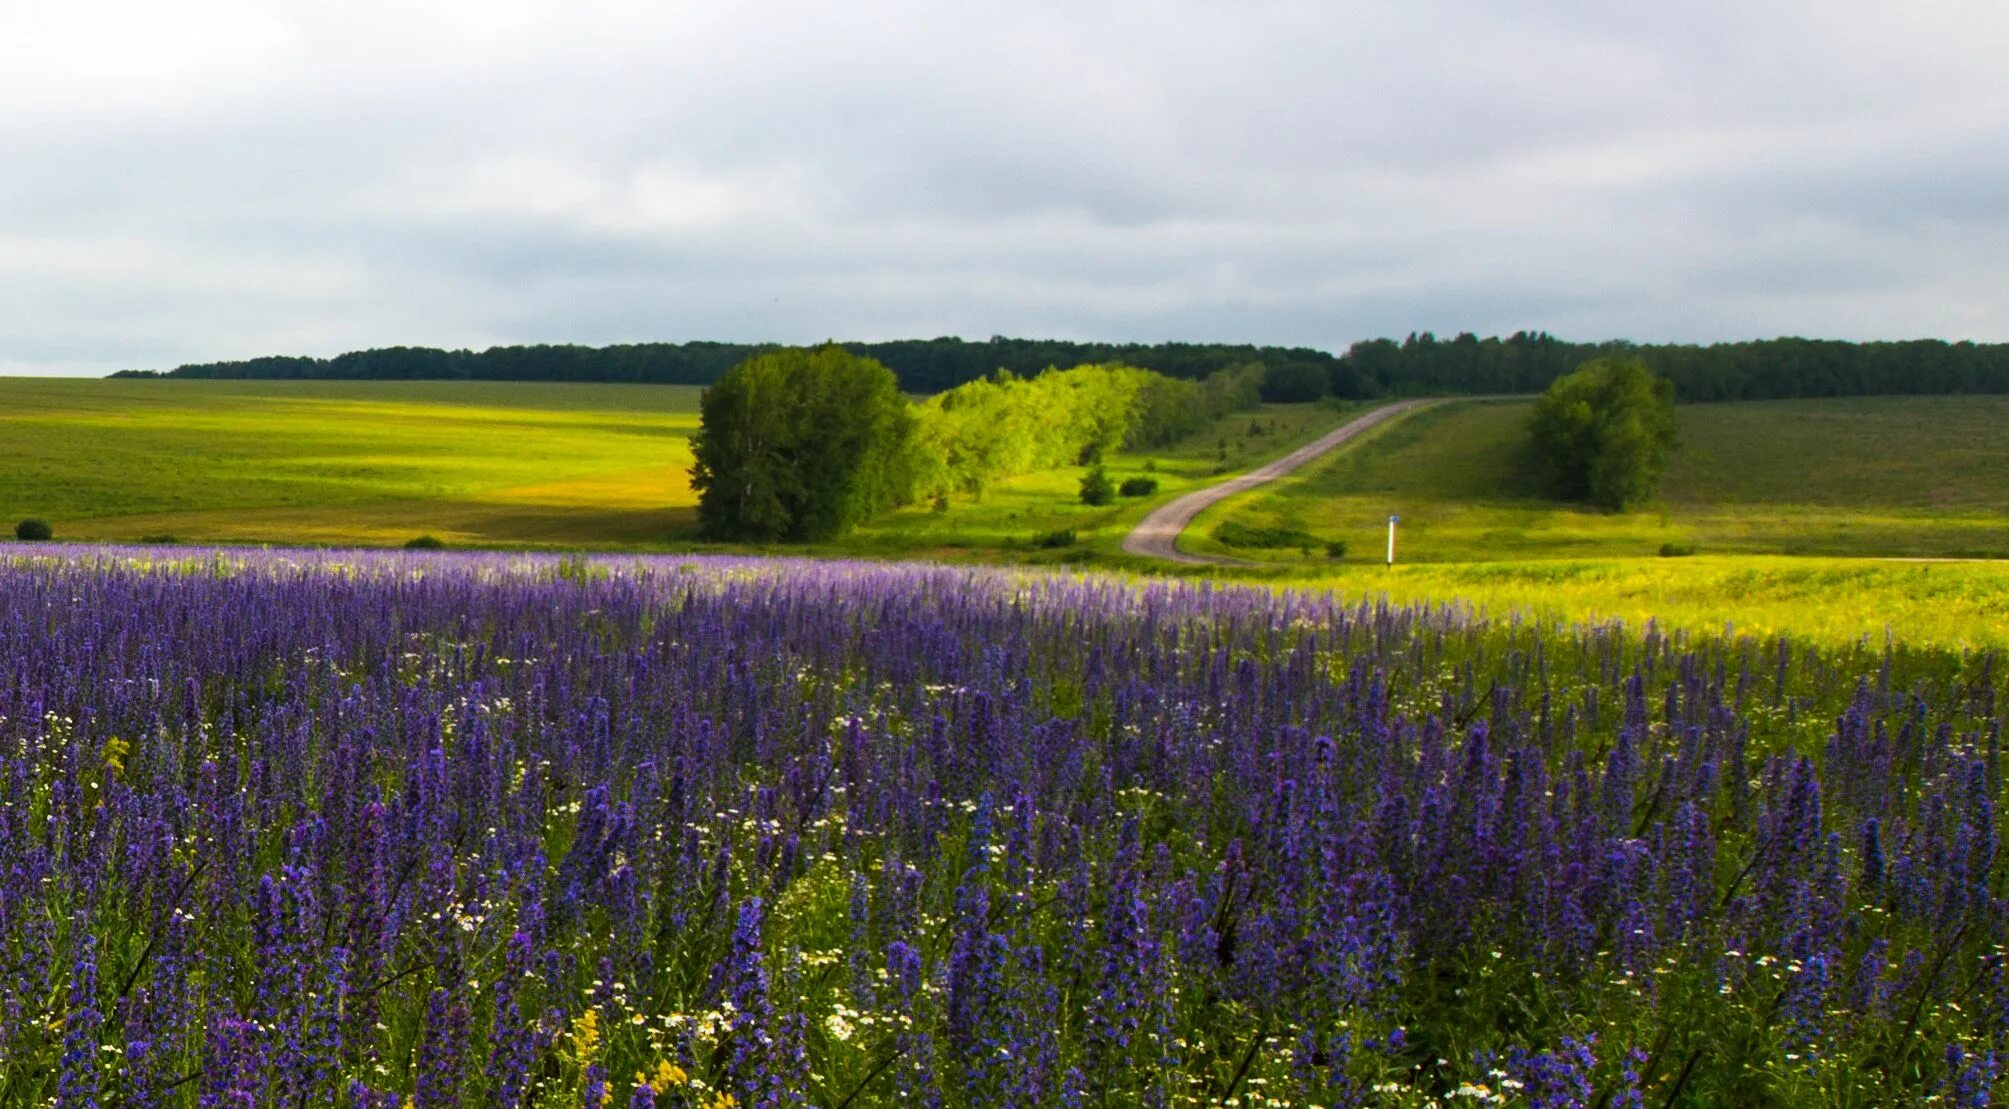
918 365
1526 362
1421 364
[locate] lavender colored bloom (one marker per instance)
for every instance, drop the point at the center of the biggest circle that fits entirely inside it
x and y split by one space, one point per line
442 1052
310 815
752 1063
78 1085
232 1065
1558 1079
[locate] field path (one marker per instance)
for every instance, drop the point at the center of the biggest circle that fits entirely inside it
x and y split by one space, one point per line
1157 535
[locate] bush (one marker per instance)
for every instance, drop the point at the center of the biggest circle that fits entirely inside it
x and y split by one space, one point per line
424 543
33 531
1335 549
1676 550
1138 486
1096 488
161 540
1050 540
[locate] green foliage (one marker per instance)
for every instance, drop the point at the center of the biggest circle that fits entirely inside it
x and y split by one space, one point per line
1053 540
33 531
801 445
1001 426
1676 550
1605 432
424 543
1335 549
1138 486
921 365
1170 409
1420 365
1526 362
1296 383
1096 488
972 436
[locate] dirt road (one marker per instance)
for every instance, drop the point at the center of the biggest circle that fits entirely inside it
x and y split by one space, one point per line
1157 536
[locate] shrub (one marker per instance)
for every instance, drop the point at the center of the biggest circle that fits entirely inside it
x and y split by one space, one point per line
424 543
1096 488
1138 486
1676 550
164 540
1335 549
33 531
1050 540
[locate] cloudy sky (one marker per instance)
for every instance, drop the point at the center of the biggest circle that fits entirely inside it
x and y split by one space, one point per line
205 179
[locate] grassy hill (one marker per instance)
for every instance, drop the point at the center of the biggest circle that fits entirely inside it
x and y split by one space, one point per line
1897 476
348 462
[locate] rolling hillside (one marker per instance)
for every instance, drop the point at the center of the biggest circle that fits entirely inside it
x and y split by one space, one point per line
348 462
1892 476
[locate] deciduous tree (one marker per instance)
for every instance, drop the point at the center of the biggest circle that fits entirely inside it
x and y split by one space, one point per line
801 445
1604 433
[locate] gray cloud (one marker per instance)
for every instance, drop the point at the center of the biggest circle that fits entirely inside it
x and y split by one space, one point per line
221 179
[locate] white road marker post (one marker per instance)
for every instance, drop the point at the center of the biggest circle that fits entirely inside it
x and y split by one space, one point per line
1392 521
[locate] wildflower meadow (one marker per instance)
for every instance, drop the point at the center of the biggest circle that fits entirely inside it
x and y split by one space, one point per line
426 830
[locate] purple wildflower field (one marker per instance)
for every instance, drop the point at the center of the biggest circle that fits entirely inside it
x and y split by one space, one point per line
384 830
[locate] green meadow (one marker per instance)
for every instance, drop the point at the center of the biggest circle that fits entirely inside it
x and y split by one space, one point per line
350 462
1924 477
1828 600
1781 499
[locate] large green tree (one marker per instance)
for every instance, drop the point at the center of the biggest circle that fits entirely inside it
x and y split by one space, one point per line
1604 433
801 445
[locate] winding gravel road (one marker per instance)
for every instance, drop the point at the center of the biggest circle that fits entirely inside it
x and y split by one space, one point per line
1157 536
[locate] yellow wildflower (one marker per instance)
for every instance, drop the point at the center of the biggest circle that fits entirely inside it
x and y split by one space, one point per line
586 1037
667 1074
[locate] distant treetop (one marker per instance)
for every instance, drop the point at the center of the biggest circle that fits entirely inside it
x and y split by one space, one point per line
919 365
1421 364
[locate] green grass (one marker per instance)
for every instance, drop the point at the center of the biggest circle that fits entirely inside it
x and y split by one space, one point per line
348 462
1827 600
1903 476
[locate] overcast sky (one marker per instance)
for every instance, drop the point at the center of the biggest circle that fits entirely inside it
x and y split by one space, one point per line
191 181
